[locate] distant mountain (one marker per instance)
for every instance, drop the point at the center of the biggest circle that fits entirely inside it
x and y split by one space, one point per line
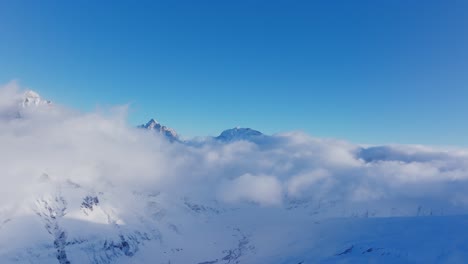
21 104
155 126
32 98
392 153
238 133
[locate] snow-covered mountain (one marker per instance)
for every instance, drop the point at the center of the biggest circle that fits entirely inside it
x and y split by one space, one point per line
14 105
88 188
157 230
238 133
78 225
155 126
31 98
229 135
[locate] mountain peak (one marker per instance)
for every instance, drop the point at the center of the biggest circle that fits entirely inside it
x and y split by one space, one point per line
31 98
152 124
239 133
155 126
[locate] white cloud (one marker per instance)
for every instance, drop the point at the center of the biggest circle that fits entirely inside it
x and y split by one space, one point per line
100 150
264 190
298 184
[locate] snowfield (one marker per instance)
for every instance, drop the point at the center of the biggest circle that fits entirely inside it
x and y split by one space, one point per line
89 188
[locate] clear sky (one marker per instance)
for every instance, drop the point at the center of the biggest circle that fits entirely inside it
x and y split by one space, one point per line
367 71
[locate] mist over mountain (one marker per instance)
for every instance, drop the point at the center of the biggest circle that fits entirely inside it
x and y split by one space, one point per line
90 188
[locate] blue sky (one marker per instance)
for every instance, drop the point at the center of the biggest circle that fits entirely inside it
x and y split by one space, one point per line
366 71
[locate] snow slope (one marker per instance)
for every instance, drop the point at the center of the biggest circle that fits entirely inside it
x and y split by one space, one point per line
163 229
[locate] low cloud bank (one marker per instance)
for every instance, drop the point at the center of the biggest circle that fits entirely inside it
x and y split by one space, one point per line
100 150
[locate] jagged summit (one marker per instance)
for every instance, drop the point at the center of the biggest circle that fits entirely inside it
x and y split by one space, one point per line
23 103
239 133
31 98
154 125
